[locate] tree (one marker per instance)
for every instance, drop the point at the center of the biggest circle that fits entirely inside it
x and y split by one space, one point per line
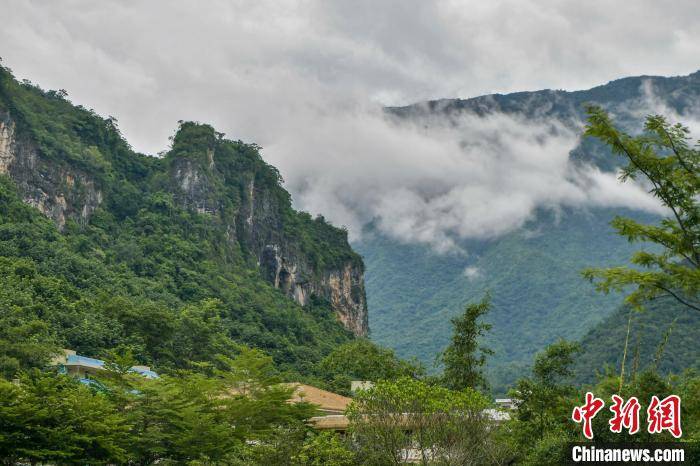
189 417
324 449
689 391
51 418
201 333
541 394
299 446
663 159
26 340
407 418
464 358
361 359
545 400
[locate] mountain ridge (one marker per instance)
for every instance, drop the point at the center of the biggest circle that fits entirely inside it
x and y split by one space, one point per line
152 253
257 215
527 313
629 85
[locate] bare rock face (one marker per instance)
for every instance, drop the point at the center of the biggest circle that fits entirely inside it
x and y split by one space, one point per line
257 225
347 292
7 137
195 186
343 287
59 191
285 266
244 197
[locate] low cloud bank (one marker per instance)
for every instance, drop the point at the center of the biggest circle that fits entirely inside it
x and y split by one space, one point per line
474 177
301 79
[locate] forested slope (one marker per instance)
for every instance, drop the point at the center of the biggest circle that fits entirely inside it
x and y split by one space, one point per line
533 274
663 336
533 277
177 258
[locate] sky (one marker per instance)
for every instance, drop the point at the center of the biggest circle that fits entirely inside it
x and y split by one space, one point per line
306 80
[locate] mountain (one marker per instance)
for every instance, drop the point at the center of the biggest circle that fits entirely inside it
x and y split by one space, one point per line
663 335
532 274
102 247
185 255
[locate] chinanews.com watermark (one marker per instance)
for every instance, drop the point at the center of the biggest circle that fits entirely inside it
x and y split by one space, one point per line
631 453
662 415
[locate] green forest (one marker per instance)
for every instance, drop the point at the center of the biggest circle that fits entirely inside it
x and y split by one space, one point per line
533 272
146 274
157 275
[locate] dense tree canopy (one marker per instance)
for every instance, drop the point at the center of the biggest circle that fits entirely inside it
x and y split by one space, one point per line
464 358
663 158
146 269
363 360
411 419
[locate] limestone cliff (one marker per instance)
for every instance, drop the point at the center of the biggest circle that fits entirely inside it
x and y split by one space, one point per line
230 182
71 177
56 189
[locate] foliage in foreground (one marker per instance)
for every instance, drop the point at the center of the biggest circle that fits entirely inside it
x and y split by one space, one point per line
663 158
542 425
51 418
231 416
664 336
465 357
412 419
361 359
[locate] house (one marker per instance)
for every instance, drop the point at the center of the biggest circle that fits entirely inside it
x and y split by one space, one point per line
328 403
83 367
333 407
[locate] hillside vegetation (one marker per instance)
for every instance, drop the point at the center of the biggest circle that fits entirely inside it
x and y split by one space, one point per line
185 261
533 274
143 269
664 335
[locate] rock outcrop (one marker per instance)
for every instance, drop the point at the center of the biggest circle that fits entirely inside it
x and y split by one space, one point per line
204 177
227 181
343 286
58 190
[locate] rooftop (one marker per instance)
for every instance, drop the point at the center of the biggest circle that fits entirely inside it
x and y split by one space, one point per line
71 360
326 401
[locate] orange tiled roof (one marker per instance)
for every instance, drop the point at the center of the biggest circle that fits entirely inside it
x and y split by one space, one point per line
326 401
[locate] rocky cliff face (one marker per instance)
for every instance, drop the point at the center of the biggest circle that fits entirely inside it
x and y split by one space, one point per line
57 190
226 181
259 221
342 286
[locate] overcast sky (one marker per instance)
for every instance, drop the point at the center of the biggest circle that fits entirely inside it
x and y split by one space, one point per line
305 78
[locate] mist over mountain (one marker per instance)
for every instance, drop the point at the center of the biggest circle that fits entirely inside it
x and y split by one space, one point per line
178 258
264 232
529 256
494 194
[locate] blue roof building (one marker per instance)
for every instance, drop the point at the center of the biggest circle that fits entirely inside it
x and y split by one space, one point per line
82 367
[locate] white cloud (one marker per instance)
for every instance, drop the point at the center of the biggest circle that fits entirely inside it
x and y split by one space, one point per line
472 273
305 80
250 65
474 177
649 102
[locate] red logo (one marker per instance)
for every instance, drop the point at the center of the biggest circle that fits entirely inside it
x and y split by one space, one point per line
662 415
626 415
587 412
665 415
